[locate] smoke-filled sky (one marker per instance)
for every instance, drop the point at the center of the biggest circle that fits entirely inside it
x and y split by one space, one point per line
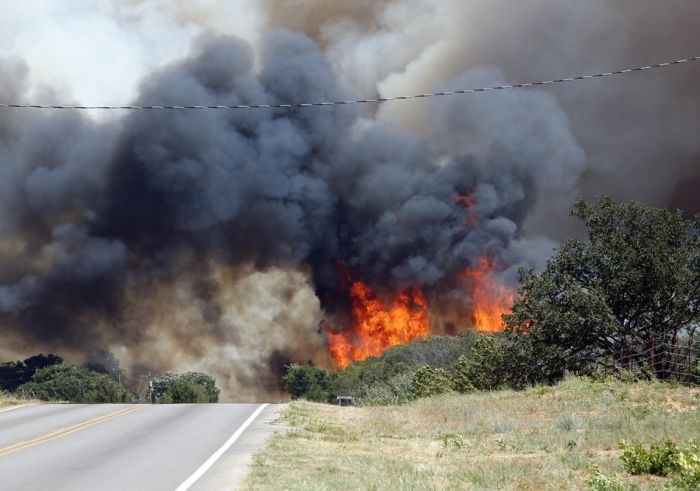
209 240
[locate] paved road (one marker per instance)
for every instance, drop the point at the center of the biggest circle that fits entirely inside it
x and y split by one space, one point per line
129 447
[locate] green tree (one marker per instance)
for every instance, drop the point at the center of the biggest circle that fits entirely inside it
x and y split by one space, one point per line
73 384
463 374
632 287
488 368
429 381
14 374
185 388
308 382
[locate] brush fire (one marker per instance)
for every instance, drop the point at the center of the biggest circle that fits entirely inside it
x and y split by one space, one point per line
378 324
491 298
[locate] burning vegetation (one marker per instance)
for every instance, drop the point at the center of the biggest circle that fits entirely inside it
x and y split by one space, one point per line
377 325
491 298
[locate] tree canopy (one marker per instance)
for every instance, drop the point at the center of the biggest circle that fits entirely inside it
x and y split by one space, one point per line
185 388
308 382
632 287
73 384
14 374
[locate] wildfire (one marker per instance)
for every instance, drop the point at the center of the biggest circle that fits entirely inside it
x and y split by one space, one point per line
491 299
376 326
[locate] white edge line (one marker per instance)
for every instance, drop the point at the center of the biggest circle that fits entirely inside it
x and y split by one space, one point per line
217 455
16 407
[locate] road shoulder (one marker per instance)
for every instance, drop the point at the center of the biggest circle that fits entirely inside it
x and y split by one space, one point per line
231 470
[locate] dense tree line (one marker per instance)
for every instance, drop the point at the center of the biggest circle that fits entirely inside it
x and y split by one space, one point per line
69 383
98 380
14 374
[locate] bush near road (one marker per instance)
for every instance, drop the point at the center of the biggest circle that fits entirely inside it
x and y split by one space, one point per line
15 373
73 384
185 388
99 380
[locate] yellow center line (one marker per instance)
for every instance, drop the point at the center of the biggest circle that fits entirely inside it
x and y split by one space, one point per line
67 431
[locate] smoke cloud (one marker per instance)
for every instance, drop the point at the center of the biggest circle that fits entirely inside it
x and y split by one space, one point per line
209 240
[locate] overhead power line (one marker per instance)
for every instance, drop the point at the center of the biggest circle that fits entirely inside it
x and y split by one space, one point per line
363 101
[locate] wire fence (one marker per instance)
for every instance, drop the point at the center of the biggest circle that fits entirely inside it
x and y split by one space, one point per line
677 362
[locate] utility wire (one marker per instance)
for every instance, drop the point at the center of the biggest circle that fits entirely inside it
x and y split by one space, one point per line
363 101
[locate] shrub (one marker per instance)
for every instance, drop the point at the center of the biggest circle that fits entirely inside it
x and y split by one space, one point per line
664 460
601 482
455 440
488 369
659 460
308 382
600 376
357 379
569 423
377 394
397 390
688 477
388 376
462 377
429 381
73 384
185 388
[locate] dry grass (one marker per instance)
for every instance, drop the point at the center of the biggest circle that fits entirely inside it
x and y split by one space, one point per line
544 438
7 400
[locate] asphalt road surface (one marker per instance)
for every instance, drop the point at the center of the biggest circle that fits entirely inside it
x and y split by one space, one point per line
130 447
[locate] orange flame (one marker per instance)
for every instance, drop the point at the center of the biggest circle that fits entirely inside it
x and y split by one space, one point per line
377 326
469 202
491 298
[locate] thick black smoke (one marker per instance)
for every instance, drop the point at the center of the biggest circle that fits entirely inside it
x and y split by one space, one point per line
97 208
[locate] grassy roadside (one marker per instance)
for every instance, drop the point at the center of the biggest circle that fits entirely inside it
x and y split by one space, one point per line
8 400
544 438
